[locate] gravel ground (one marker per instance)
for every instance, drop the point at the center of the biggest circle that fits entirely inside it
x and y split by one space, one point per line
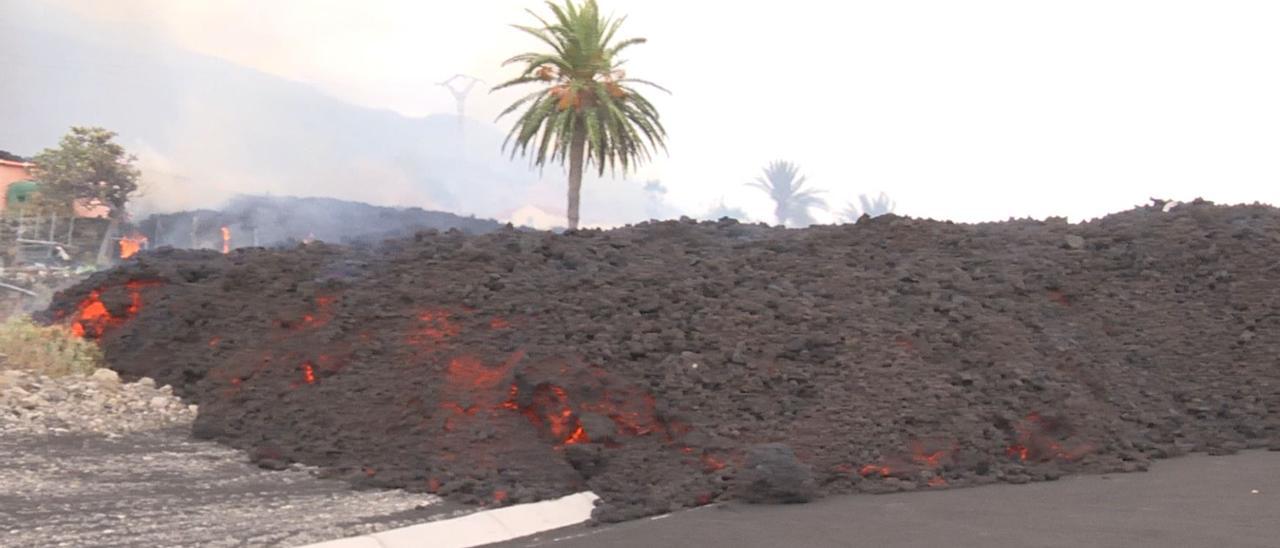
88 461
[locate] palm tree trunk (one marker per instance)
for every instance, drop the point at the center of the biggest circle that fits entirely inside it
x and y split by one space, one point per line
577 149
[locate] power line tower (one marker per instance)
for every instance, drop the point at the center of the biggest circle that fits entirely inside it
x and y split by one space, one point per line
460 93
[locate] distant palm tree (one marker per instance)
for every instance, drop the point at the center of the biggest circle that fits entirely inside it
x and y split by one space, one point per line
882 205
586 111
791 200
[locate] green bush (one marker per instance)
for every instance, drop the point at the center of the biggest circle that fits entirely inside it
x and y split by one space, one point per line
51 350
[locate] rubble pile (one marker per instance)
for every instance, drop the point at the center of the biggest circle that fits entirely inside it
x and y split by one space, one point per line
673 364
32 403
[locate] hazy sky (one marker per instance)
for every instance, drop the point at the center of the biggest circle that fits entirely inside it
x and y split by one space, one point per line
975 110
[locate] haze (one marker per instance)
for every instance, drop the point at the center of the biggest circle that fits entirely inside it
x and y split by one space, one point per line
969 111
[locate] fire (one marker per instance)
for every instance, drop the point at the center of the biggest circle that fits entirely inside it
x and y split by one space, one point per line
130 245
226 240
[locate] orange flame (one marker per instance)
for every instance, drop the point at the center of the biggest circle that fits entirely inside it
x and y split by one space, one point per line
131 245
226 240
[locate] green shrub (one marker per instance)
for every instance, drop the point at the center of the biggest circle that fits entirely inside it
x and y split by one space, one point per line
51 350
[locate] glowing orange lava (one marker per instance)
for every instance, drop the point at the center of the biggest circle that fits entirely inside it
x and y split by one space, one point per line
92 319
870 469
324 313
308 373
1037 442
436 327
226 240
711 463
130 245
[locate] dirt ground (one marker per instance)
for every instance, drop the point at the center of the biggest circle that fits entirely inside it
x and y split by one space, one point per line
644 363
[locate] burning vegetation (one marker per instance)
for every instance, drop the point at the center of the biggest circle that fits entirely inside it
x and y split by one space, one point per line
514 367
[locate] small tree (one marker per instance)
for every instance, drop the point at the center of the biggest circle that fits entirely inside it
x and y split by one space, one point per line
785 186
88 167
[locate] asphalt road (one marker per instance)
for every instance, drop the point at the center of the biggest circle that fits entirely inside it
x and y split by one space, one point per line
1218 502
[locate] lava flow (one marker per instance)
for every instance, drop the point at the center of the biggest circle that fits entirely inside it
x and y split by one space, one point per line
92 318
1041 439
226 240
925 455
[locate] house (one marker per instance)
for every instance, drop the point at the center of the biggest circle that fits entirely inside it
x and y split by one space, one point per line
11 173
17 185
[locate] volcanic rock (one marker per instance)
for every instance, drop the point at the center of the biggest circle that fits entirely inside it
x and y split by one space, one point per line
891 354
773 475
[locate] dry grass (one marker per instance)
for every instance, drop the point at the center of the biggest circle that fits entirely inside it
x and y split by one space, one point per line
50 350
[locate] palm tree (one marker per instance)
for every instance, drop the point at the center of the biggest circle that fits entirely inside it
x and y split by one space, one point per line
791 200
882 205
586 111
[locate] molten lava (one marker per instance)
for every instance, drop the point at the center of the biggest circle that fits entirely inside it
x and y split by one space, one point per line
226 240
92 318
883 471
1041 440
925 455
436 327
308 373
324 313
130 245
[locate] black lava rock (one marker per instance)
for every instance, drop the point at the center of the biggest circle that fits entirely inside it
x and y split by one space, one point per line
773 475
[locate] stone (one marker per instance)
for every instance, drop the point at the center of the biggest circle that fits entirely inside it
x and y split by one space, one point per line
159 402
773 474
1074 242
147 382
105 376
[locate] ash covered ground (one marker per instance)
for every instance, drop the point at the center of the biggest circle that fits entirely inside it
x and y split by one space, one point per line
665 365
